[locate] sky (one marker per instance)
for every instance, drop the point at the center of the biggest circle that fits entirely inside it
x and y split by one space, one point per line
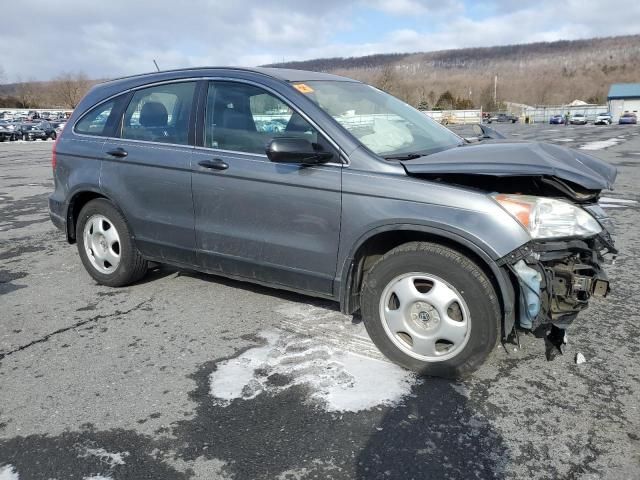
110 38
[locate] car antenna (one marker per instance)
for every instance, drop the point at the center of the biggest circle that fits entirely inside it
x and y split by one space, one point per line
156 64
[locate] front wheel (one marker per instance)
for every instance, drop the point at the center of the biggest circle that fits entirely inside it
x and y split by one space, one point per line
431 309
106 246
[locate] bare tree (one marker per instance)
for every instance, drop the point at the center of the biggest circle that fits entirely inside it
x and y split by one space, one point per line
386 81
68 89
27 93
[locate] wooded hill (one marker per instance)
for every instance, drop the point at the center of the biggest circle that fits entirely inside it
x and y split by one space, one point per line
535 73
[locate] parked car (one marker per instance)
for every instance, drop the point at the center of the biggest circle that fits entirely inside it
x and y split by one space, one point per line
48 129
442 244
502 118
578 119
58 126
556 120
628 118
31 131
603 119
7 131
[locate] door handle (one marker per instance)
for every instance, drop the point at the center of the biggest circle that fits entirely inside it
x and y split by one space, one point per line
118 152
215 164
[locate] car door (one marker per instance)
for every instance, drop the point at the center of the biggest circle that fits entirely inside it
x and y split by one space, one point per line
270 222
146 171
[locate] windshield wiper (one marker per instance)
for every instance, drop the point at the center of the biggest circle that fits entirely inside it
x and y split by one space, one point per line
406 156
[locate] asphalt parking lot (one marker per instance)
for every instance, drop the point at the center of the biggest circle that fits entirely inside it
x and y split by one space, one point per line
186 375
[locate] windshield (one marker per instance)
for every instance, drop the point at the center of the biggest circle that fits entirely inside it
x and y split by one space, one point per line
382 123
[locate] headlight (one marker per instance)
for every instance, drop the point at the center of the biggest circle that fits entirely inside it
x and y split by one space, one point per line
547 217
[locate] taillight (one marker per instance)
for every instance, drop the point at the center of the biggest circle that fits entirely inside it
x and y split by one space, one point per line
54 159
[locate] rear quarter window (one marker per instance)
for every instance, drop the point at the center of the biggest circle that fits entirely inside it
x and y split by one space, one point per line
95 121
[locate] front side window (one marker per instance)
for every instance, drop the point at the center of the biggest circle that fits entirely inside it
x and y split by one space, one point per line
160 114
244 118
381 122
95 121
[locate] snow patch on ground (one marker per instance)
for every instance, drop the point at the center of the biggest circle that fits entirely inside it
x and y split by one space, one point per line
110 459
610 202
600 144
616 200
7 472
97 477
338 380
563 140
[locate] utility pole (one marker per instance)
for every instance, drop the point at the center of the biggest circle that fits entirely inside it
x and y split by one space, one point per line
495 90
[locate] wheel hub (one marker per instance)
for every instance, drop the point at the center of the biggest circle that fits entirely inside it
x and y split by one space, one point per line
424 315
102 242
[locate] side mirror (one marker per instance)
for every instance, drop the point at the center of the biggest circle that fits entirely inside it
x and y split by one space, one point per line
487 132
296 150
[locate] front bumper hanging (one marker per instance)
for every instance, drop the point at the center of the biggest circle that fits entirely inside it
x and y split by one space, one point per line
556 279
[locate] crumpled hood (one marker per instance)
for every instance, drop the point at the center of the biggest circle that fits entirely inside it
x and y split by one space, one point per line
509 158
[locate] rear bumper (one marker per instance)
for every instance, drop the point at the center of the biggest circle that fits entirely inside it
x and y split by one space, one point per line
56 214
33 135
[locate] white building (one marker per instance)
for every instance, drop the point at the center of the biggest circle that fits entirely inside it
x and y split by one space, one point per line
622 98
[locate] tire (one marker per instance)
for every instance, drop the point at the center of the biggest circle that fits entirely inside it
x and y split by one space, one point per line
455 280
116 262
53 135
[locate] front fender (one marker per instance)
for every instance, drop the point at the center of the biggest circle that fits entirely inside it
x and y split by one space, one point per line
443 234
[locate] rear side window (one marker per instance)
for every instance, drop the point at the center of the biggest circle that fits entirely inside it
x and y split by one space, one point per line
160 114
95 121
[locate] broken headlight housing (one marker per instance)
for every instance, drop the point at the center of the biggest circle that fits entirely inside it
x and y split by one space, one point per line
548 217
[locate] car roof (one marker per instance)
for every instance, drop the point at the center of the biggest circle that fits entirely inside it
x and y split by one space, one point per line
285 74
104 90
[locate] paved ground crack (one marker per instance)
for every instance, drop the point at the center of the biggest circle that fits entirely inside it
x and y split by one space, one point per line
81 323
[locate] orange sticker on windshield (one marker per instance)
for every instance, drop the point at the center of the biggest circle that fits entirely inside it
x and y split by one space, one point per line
302 87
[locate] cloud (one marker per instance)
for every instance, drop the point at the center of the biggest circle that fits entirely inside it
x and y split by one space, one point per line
119 37
417 7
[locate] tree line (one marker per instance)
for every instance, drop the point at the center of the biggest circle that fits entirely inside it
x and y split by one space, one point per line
64 91
546 73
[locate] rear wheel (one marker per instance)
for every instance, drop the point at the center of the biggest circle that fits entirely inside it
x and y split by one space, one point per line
106 247
430 309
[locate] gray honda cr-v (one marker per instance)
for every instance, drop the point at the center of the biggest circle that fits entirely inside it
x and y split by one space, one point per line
327 186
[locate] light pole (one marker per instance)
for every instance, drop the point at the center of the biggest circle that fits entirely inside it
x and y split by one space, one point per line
495 90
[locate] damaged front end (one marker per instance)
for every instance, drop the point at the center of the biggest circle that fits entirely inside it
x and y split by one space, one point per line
556 278
552 192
